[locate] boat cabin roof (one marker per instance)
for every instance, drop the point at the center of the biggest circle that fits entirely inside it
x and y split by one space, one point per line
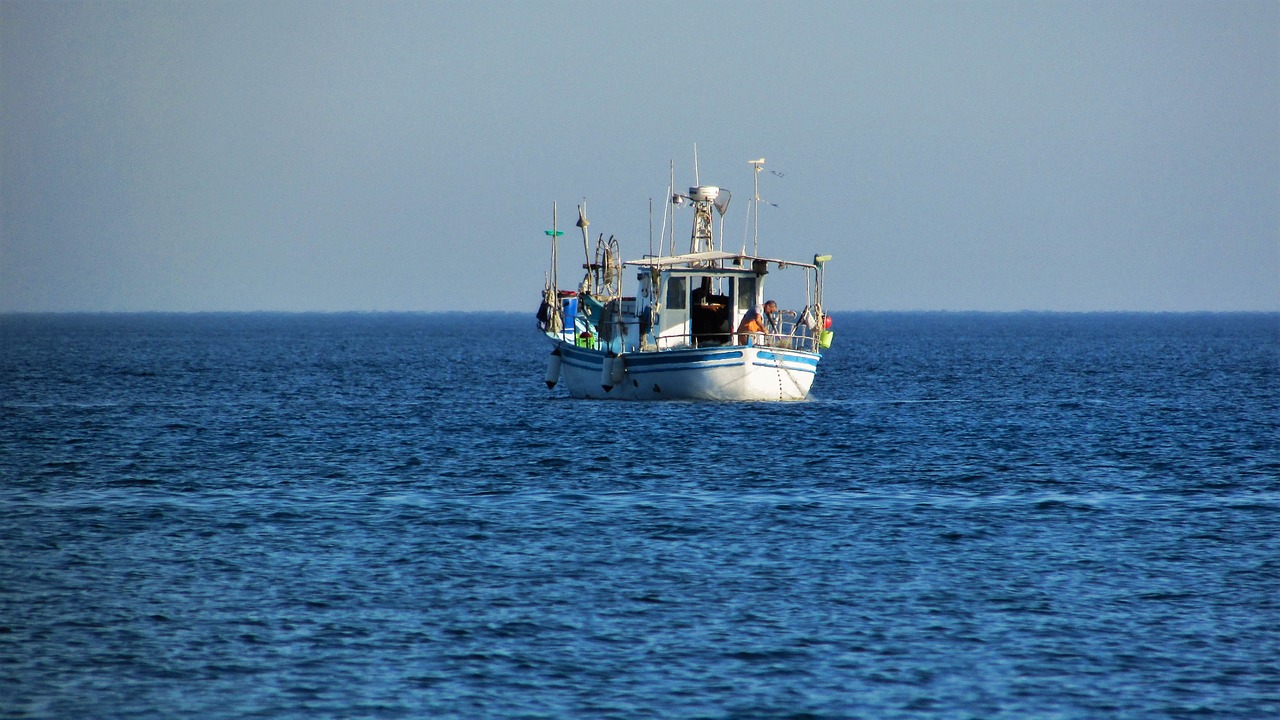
697 260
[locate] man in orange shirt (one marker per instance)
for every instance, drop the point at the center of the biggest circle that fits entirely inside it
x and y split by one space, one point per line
752 325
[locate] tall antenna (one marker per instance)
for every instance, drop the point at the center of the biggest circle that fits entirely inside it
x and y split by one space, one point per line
650 227
696 181
755 202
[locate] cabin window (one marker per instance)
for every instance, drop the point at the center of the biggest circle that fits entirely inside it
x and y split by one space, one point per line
746 293
677 293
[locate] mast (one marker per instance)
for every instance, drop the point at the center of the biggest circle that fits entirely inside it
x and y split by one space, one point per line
703 198
555 233
552 294
755 203
702 239
586 245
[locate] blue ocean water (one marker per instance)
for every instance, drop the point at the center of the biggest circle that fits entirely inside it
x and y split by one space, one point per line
976 516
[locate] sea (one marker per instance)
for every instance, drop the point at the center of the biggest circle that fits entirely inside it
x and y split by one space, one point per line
391 516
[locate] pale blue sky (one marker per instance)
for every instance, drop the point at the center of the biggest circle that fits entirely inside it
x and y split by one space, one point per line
404 156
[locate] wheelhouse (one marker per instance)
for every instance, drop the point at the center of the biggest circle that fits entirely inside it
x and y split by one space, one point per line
699 300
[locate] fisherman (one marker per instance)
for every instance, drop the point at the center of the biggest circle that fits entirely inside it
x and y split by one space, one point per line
752 328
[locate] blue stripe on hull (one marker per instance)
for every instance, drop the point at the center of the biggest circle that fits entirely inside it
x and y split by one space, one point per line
665 361
789 357
811 370
668 357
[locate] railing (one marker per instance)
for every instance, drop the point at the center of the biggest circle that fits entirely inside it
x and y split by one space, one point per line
793 336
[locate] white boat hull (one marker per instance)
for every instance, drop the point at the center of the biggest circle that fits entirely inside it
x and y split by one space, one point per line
731 372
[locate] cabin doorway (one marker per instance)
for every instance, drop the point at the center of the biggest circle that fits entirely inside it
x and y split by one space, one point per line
710 311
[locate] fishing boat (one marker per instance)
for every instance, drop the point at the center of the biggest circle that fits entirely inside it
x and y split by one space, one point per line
699 326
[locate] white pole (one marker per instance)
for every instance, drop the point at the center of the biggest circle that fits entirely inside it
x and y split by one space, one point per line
671 189
756 203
